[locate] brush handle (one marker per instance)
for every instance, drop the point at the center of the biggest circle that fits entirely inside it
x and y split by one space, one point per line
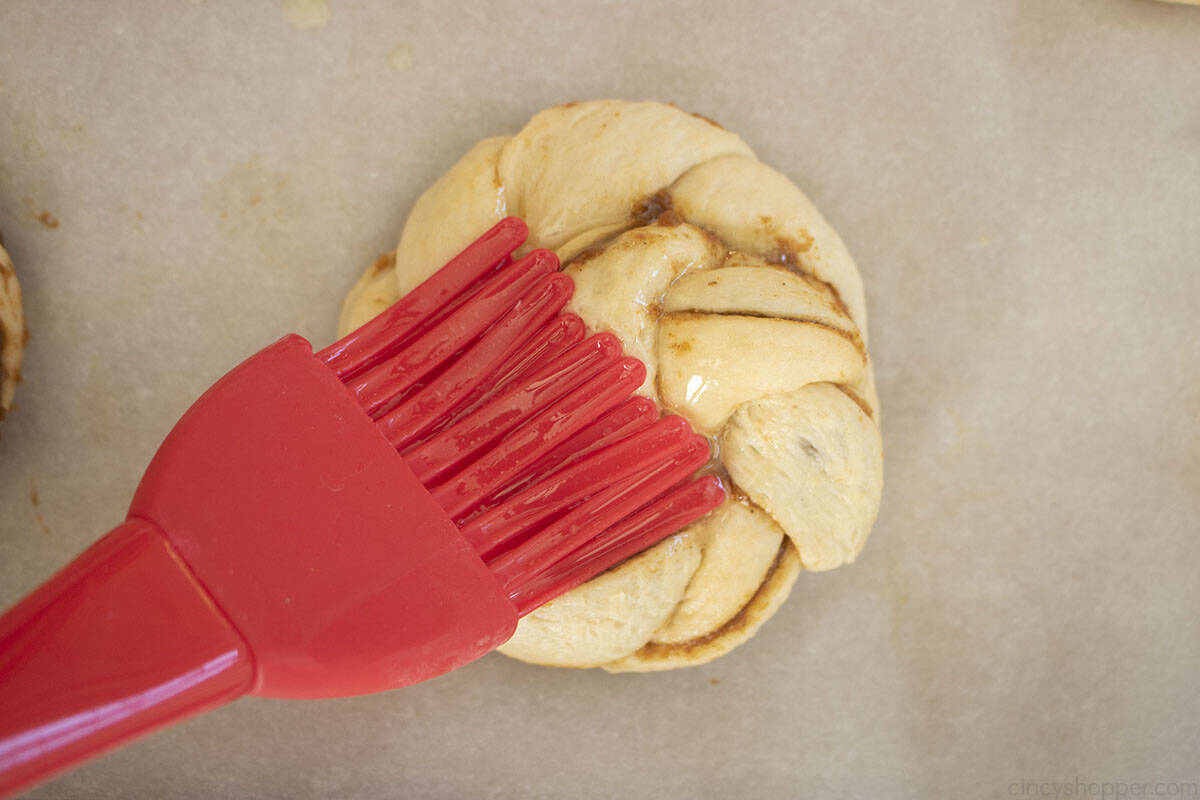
121 642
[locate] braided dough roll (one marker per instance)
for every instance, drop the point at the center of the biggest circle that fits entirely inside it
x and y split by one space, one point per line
12 332
720 275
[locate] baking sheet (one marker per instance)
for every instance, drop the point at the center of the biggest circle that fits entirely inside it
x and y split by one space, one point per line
1019 181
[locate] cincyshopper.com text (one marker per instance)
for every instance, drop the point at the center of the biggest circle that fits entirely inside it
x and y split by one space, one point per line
1087 788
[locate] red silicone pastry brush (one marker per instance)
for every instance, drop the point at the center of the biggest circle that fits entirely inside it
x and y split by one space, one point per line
355 520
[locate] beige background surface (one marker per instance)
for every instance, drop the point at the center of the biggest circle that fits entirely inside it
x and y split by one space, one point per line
1019 181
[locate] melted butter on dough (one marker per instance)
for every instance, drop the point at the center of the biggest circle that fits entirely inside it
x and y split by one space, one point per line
620 288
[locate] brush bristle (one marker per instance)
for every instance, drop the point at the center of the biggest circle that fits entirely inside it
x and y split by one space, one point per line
526 433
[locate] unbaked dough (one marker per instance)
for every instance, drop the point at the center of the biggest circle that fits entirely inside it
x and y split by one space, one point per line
12 332
718 273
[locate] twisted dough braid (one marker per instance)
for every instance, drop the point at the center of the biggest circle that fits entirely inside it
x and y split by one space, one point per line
12 332
720 275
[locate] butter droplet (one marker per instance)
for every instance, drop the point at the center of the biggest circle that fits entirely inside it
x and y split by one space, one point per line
306 13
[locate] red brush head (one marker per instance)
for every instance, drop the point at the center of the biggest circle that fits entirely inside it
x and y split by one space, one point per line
521 429
525 467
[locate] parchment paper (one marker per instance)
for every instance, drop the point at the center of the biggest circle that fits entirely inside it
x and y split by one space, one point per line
1019 181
